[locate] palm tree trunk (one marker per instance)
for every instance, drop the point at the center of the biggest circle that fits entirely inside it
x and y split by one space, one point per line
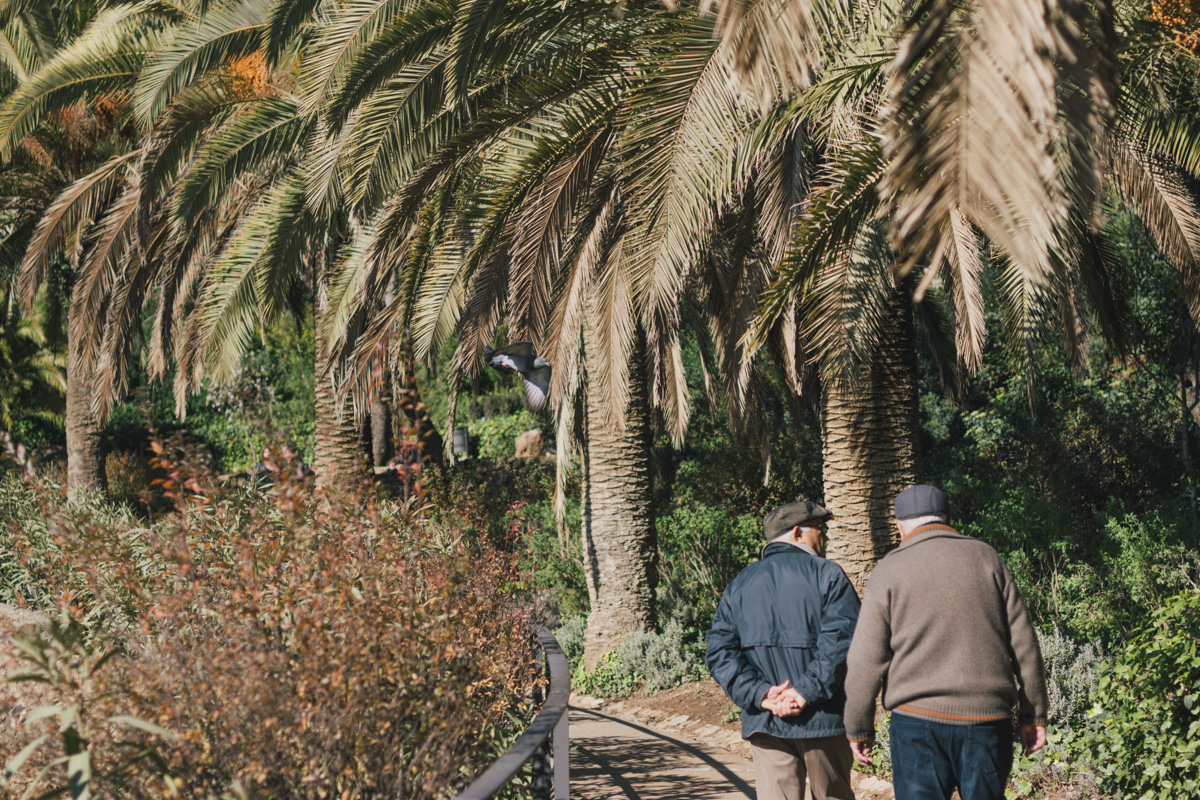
339 457
620 548
871 446
87 444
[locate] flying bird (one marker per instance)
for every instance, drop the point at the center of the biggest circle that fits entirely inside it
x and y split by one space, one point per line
534 370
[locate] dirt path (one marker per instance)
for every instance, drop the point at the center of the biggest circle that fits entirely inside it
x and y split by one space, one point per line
650 748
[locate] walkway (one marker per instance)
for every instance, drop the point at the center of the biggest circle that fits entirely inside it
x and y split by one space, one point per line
612 758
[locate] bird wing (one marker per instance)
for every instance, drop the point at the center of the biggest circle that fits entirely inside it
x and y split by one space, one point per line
537 388
503 362
522 351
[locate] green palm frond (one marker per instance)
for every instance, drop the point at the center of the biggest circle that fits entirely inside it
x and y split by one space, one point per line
196 47
268 132
386 123
351 26
195 114
20 51
107 57
612 319
679 169
840 207
843 311
248 280
116 240
596 234
61 227
1154 191
546 212
285 20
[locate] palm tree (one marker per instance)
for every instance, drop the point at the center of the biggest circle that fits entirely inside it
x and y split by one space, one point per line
860 318
177 218
587 209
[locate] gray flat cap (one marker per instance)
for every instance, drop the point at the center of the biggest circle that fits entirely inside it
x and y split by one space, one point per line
921 501
784 518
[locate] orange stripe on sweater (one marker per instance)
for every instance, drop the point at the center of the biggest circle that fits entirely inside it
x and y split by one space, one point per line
953 716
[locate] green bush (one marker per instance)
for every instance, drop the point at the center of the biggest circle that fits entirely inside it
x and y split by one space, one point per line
1144 740
497 437
570 636
651 661
702 549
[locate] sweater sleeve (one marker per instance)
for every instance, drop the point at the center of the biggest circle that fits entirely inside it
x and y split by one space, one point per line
867 663
839 613
730 668
1026 655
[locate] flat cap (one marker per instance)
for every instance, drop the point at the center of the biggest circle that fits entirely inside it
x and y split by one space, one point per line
921 501
786 517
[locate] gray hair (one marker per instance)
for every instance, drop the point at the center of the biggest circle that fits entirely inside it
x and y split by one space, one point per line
907 526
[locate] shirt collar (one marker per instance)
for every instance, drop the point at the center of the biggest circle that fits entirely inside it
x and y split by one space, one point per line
933 527
771 546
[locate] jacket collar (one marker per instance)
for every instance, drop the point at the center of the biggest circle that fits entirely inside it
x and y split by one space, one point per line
930 531
771 548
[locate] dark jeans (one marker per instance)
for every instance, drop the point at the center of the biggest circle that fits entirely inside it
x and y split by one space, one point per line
930 760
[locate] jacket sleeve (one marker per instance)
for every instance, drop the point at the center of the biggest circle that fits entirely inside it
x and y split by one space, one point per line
867 663
839 614
730 668
1034 704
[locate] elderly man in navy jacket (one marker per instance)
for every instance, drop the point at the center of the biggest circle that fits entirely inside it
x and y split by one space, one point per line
778 648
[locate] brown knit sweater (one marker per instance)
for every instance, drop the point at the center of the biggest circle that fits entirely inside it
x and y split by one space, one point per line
943 630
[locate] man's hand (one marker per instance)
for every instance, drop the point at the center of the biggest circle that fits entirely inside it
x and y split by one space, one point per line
1033 737
783 701
862 751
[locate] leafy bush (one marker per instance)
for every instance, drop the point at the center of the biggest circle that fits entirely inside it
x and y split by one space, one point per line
1072 674
653 661
1145 736
703 548
497 436
570 638
283 643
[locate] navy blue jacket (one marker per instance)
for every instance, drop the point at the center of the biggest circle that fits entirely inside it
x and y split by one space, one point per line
788 616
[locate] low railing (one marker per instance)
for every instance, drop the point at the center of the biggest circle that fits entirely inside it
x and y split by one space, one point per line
545 737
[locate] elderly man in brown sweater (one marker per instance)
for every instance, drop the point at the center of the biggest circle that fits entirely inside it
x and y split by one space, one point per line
944 632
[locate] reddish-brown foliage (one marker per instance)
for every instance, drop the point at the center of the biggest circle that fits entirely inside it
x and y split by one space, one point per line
304 644
1183 16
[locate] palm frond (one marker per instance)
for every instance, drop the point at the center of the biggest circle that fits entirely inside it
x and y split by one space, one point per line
285 19
971 119
840 207
116 241
244 284
221 34
350 27
268 132
105 58
963 272
1156 194
60 228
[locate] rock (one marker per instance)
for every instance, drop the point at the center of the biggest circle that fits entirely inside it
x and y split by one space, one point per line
529 444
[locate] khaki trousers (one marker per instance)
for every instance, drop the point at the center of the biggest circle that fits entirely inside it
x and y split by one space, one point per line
781 765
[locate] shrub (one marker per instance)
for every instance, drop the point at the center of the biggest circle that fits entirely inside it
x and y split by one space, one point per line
570 638
1145 737
1072 673
497 436
285 643
653 661
703 548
